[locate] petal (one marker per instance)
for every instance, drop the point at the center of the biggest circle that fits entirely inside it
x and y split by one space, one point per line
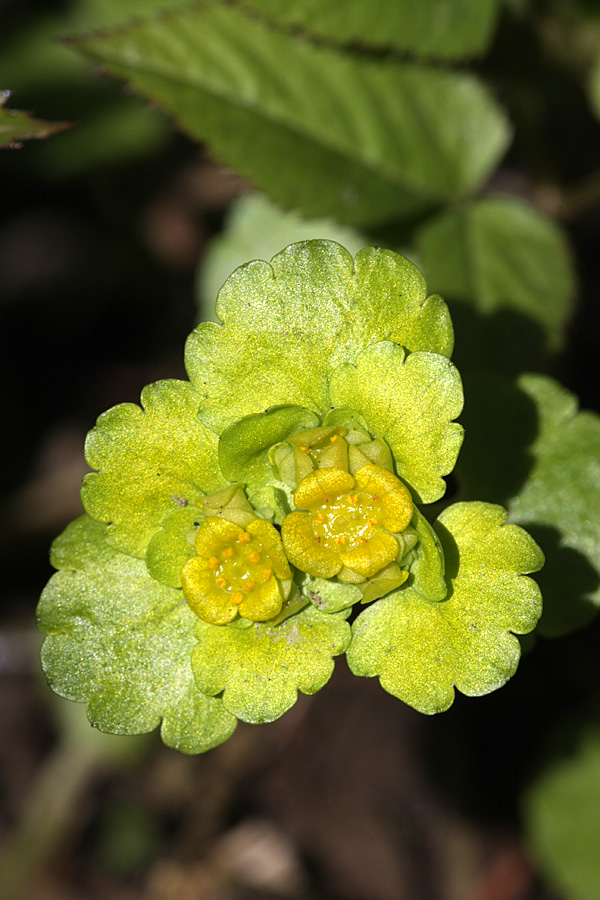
210 604
395 497
320 484
367 559
304 551
268 535
262 603
213 532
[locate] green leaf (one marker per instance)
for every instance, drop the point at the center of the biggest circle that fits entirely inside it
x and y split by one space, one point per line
427 568
499 255
528 447
173 544
122 642
422 650
409 400
322 131
260 669
19 126
314 306
244 446
562 820
331 596
257 229
448 29
150 461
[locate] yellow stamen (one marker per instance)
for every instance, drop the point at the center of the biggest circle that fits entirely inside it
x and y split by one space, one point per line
213 563
221 582
228 552
340 539
363 541
254 557
237 598
245 538
334 438
266 574
305 448
372 523
326 499
318 518
375 498
248 585
352 499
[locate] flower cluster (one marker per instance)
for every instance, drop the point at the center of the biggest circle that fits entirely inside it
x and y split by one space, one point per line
244 528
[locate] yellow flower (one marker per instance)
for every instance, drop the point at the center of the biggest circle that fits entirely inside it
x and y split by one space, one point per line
350 525
236 570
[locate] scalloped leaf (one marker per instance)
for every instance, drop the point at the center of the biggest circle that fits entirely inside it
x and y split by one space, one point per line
528 447
261 669
150 460
562 820
331 596
444 29
422 650
409 400
315 306
320 130
256 228
428 566
18 126
499 254
244 446
122 642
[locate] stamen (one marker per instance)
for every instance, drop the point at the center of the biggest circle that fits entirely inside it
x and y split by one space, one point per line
248 585
317 539
305 448
213 563
254 557
352 499
326 499
266 574
228 552
375 498
318 518
245 538
334 438
363 541
221 582
340 539
372 523
236 598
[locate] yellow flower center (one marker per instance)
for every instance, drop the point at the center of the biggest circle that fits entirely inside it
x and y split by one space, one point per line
240 567
347 520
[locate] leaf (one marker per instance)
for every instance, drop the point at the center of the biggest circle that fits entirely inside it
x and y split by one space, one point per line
529 447
446 29
257 229
321 131
499 254
244 446
19 126
122 642
428 566
260 669
150 461
331 596
315 306
562 820
422 650
409 401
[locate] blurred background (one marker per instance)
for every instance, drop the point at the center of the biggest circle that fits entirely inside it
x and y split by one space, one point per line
115 236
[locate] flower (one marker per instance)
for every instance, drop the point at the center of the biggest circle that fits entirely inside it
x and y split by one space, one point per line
236 571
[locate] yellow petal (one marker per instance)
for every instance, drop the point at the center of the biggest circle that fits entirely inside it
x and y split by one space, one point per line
304 551
213 533
263 603
321 484
268 535
205 600
397 505
367 559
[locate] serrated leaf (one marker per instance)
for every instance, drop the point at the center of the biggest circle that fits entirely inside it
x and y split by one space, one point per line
122 642
499 254
314 306
261 669
409 400
529 447
562 820
257 229
244 446
150 461
18 126
441 28
422 650
321 131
